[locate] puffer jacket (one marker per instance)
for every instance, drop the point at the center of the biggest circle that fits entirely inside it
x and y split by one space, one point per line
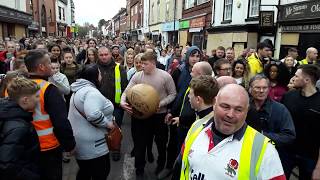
89 114
19 144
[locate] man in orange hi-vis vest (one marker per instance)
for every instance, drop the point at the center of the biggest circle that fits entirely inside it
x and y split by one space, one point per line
49 117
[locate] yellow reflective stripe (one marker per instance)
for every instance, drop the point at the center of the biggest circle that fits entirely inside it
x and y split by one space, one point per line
263 150
245 155
184 99
117 78
188 144
45 132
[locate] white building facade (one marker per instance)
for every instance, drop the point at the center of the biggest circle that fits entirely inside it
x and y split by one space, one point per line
235 23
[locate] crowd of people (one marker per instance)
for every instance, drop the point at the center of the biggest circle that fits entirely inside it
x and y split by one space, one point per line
219 116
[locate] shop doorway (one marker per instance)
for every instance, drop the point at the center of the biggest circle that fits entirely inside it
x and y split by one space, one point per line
307 40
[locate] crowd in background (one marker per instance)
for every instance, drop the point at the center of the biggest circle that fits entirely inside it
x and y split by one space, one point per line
284 101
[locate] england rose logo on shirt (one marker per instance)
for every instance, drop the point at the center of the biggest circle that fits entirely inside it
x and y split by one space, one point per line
231 168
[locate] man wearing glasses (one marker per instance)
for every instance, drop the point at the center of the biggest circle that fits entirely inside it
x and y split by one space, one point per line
222 68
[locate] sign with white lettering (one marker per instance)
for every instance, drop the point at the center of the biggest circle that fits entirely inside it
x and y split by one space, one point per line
300 11
301 28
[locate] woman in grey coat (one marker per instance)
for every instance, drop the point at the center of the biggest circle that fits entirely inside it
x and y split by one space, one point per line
90 115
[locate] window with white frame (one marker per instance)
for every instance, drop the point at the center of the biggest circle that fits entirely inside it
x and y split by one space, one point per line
227 10
202 1
136 9
254 8
63 15
60 13
189 4
158 10
152 12
167 9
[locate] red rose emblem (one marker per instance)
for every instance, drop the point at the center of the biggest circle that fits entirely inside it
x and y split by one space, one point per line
233 164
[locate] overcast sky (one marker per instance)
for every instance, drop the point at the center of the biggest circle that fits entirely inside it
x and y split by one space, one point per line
93 10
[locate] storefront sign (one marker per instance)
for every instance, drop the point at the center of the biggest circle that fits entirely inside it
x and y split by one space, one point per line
34 26
13 16
170 26
198 22
300 11
302 28
184 24
266 19
195 29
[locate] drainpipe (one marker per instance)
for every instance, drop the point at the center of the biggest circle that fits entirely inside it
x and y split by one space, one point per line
174 21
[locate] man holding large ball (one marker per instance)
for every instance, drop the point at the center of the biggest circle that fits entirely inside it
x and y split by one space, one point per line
144 89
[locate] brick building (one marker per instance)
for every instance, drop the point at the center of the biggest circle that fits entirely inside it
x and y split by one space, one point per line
196 19
136 19
44 17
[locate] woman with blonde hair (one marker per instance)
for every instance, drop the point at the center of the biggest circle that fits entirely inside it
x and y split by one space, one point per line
129 60
137 66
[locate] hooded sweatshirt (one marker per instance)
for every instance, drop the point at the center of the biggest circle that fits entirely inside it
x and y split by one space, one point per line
183 80
89 114
19 144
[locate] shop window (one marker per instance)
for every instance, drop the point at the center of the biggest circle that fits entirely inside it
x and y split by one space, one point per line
227 10
254 6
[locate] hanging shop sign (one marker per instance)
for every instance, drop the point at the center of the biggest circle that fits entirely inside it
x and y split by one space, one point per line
300 11
266 19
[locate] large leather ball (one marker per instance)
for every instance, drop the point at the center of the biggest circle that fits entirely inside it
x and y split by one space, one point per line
144 100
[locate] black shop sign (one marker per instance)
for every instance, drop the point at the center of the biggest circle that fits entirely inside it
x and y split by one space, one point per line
302 28
266 19
300 11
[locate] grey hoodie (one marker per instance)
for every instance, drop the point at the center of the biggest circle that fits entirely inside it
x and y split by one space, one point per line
89 132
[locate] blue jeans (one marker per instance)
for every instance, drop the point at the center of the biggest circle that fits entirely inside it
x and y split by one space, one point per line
118 114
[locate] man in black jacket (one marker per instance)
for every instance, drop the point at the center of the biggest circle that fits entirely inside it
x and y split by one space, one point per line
53 107
19 144
304 106
109 87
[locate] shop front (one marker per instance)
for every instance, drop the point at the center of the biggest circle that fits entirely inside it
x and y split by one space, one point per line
197 32
299 27
170 33
183 32
13 23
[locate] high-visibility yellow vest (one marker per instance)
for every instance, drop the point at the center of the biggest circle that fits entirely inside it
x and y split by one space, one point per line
117 78
305 61
184 99
252 151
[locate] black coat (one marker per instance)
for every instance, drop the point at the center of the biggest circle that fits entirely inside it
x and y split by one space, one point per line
19 144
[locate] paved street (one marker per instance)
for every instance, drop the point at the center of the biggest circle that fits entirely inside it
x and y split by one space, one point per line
123 169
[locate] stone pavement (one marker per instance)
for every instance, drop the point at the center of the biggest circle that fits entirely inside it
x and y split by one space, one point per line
123 169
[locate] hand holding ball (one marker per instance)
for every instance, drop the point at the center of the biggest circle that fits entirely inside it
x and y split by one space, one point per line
144 100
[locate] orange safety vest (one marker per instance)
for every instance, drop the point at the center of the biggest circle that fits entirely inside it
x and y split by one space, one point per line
42 122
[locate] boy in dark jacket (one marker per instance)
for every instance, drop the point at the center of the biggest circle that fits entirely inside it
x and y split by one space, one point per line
19 144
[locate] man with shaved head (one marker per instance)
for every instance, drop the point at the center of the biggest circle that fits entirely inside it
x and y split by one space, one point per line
312 55
224 80
225 147
114 82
